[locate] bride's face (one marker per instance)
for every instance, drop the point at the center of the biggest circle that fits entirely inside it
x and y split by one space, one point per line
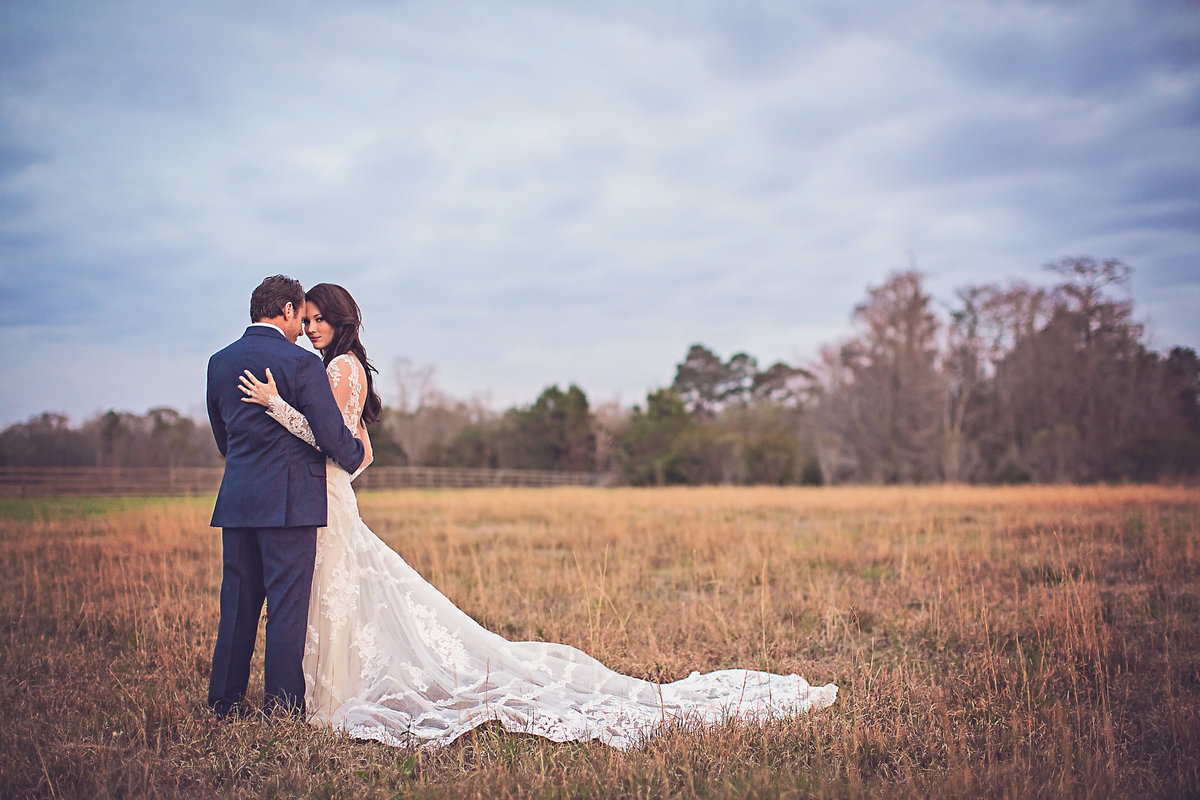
318 331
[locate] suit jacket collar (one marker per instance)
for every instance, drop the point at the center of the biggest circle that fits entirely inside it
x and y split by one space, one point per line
262 330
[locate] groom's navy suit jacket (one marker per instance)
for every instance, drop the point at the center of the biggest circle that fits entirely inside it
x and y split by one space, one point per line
272 478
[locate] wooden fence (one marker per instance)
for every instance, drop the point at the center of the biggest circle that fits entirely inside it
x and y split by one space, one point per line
56 481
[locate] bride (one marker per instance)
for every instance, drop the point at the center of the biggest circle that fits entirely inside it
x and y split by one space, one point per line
388 657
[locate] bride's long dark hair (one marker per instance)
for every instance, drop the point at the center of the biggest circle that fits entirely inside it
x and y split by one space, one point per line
339 310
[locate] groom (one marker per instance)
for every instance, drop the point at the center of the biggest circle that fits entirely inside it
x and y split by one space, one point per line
272 500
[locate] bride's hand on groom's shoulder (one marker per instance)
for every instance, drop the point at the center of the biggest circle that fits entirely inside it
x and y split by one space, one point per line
256 391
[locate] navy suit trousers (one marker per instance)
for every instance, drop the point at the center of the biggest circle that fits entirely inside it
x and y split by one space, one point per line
275 565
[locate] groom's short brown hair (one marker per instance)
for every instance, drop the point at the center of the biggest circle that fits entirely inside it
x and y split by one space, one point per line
272 295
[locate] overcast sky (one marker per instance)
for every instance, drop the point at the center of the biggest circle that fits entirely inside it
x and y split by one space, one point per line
526 193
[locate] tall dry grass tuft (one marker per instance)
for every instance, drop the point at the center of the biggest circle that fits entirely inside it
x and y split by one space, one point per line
1040 641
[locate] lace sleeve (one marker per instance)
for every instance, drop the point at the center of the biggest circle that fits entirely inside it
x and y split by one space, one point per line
290 418
345 378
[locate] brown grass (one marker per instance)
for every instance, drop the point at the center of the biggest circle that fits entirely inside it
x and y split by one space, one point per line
987 642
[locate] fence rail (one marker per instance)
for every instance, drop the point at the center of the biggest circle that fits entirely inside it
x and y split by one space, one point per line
56 481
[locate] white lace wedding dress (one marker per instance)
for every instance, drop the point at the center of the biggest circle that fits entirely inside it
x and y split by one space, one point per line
390 658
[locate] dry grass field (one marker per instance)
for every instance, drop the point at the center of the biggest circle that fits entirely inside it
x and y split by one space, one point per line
1024 642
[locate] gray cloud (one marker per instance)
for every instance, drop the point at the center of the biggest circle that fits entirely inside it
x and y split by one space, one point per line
552 193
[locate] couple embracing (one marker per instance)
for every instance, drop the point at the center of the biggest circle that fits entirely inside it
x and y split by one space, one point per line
356 639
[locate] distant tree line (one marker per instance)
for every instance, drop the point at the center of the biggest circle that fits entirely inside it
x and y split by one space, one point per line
160 438
1014 383
1010 383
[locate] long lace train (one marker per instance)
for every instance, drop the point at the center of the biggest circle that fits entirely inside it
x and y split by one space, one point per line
390 658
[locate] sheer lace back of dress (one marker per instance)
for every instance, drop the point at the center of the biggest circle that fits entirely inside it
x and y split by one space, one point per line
346 380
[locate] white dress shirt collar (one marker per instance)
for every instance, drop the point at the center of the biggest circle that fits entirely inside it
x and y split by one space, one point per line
269 325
